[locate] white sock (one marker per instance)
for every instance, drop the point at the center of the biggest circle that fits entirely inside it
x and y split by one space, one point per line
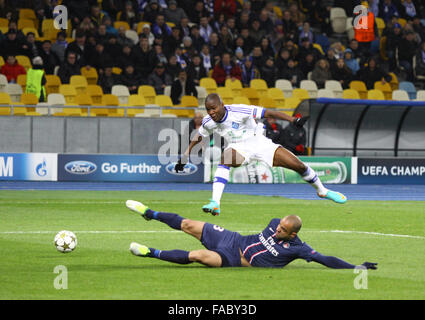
220 179
311 177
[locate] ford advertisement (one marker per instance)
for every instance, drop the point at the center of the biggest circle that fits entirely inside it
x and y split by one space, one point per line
124 168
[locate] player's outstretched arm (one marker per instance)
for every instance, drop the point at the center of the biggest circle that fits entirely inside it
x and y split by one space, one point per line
185 156
299 122
336 263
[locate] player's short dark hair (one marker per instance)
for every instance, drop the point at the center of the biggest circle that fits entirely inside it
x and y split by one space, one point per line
213 97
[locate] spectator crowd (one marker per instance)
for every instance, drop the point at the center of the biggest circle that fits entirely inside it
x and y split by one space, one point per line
180 42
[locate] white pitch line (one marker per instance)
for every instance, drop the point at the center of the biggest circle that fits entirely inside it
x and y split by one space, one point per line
242 232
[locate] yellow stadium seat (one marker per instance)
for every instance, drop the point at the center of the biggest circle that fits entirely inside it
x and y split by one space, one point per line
380 23
25 13
394 81
375 94
25 31
25 23
95 92
22 81
165 101
4 23
278 11
360 87
24 61
350 94
118 24
209 84
301 94
27 99
91 75
260 85
116 70
319 47
135 100
69 92
385 88
80 83
53 82
187 102
1 61
267 102
235 85
148 92
252 95
226 94
5 100
277 95
241 100
140 26
402 22
291 103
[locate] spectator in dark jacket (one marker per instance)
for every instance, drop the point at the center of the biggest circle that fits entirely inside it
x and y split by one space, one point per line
144 57
130 79
342 73
394 37
108 79
372 73
159 79
407 50
269 72
196 69
292 73
50 58
420 61
226 69
69 68
182 86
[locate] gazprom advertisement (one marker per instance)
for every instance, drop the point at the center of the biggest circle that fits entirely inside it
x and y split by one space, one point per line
124 168
28 166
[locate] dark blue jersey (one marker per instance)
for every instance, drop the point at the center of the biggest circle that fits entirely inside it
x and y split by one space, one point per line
265 250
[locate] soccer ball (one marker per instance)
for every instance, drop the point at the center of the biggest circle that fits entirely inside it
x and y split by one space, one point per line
65 241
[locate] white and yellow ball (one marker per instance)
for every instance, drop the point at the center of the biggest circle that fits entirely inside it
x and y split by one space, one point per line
65 241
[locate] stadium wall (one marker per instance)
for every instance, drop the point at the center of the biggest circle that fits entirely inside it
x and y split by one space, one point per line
86 135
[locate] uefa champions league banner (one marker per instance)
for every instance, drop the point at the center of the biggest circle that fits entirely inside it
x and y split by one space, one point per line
391 171
124 168
331 170
28 166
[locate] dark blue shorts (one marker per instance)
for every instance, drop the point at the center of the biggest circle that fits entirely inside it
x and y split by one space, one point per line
224 242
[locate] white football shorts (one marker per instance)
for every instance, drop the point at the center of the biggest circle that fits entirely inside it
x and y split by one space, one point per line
257 147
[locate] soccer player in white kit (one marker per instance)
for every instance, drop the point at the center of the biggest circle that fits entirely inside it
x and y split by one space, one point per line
246 142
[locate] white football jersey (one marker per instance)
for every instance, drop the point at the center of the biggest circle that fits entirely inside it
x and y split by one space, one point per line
238 124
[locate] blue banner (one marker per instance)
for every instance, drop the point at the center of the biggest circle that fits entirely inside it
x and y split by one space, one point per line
391 171
28 166
124 168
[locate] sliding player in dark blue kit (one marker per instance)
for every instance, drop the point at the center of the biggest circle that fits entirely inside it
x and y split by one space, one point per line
276 246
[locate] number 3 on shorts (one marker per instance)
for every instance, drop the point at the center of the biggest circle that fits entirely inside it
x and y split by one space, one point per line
216 227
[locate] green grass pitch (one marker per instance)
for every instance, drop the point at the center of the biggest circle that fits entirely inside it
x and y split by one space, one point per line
102 268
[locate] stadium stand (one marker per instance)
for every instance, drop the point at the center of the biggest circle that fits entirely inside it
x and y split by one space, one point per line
121 32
